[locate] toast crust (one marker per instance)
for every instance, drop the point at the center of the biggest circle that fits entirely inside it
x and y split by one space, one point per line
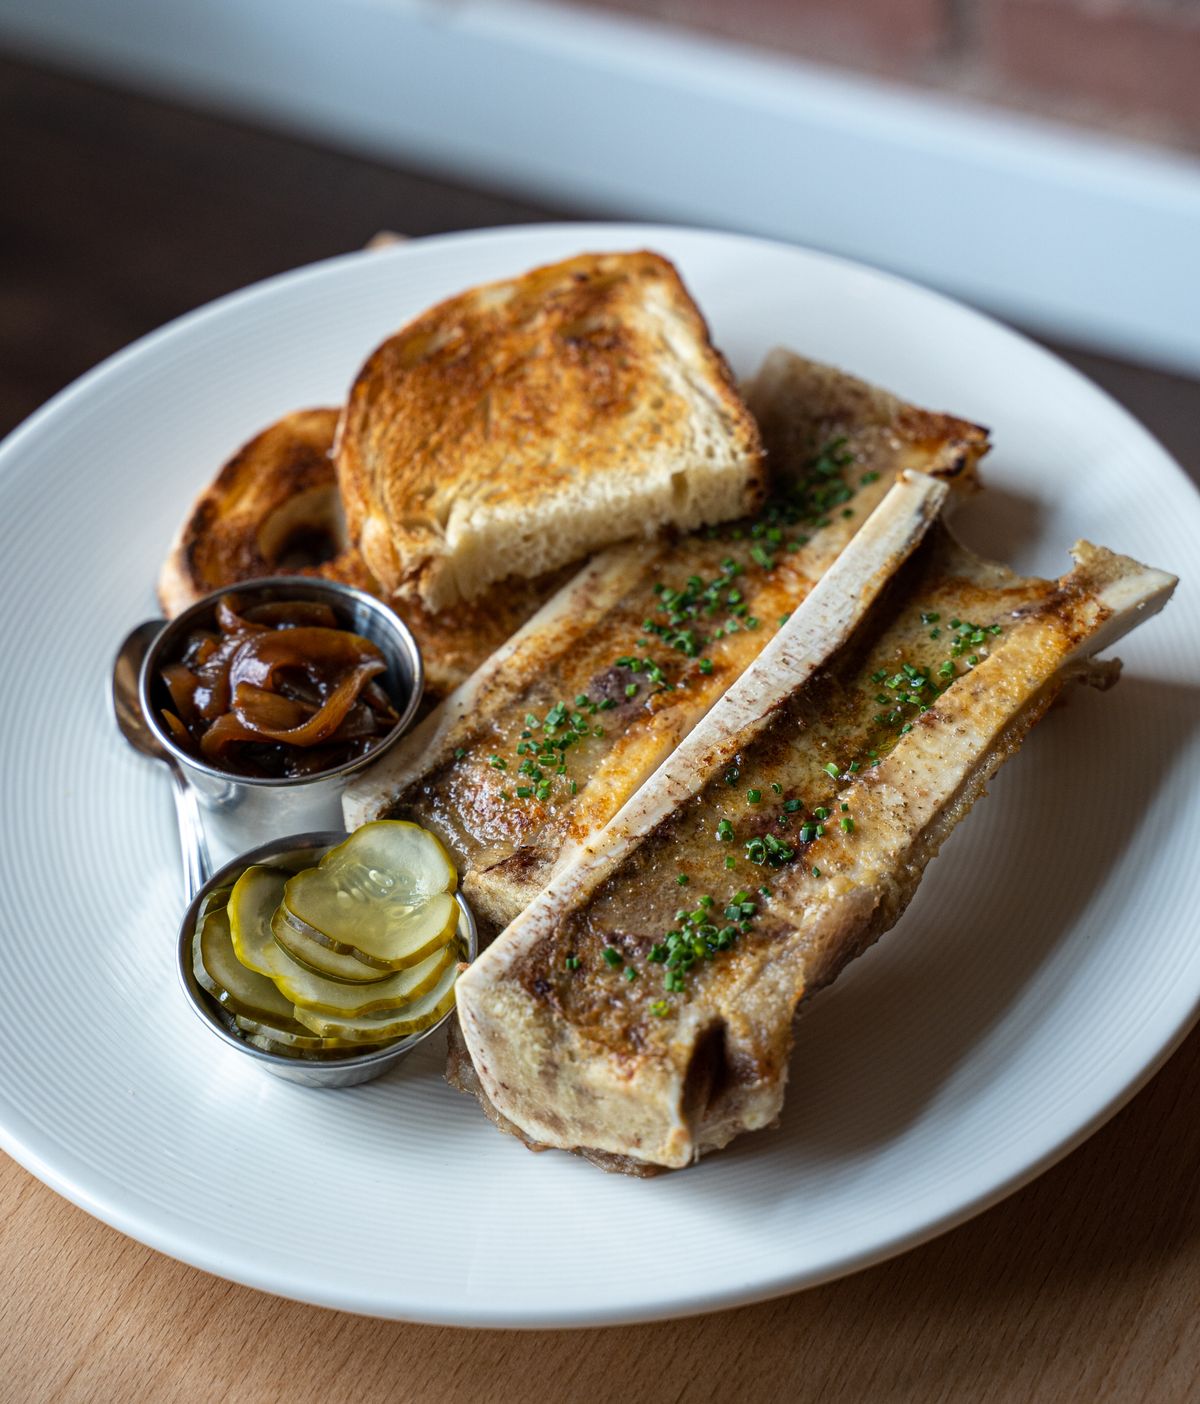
523 424
275 504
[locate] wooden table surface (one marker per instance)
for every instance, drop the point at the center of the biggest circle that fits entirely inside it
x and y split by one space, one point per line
120 213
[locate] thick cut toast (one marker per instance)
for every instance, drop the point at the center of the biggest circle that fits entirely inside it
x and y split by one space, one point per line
634 650
274 508
271 510
521 425
644 1022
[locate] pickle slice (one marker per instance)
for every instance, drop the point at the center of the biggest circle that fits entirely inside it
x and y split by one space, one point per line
330 1051
251 910
286 1031
383 896
218 897
298 941
406 939
414 859
219 972
399 1023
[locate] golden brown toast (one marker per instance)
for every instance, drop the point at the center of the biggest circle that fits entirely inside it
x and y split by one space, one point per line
272 509
524 424
275 508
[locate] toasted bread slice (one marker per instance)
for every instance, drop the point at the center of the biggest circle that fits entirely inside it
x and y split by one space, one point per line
471 771
274 508
522 425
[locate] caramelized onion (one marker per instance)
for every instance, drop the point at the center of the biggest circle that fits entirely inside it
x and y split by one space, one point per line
262 717
280 690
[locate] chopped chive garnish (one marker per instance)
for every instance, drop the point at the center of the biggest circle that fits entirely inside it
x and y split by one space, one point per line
572 962
847 824
612 957
659 1008
753 796
831 769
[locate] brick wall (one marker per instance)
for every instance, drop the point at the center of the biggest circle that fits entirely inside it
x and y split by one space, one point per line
1128 65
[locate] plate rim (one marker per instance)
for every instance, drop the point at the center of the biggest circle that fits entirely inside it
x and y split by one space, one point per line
95 1192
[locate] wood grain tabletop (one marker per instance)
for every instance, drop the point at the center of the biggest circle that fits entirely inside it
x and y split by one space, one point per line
1085 1285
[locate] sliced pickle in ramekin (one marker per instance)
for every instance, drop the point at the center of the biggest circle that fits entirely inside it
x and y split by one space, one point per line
383 896
287 1031
413 857
331 1051
251 911
414 1018
404 941
219 972
298 941
218 897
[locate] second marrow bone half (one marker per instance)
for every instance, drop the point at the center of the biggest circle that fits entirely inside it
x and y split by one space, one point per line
535 1068
573 1055
833 441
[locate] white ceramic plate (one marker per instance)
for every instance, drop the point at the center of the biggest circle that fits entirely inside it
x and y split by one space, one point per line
1047 967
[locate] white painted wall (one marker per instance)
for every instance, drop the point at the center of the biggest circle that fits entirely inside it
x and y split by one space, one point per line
1081 237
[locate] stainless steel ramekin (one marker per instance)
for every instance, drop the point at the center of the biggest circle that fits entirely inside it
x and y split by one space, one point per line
300 850
241 810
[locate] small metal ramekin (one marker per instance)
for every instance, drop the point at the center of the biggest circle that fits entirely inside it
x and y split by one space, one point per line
242 810
300 850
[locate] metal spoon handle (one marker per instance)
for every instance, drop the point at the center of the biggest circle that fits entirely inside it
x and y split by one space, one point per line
197 867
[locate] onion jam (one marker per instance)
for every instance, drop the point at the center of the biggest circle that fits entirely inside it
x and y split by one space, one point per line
277 690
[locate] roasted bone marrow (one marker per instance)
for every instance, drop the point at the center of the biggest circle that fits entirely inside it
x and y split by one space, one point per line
640 1010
